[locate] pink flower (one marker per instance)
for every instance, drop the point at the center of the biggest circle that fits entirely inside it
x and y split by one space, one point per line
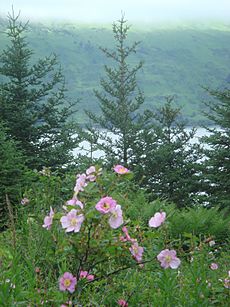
116 218
67 282
136 251
72 221
214 266
90 277
80 183
119 169
157 219
127 236
85 274
122 303
168 258
48 220
75 202
25 201
106 205
90 172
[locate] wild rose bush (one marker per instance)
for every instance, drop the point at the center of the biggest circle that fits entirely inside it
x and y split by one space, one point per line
87 251
95 233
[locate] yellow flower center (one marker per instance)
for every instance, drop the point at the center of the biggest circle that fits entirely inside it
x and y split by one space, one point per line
73 222
67 282
106 206
168 258
122 170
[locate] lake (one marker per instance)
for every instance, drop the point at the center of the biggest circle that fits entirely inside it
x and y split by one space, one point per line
85 146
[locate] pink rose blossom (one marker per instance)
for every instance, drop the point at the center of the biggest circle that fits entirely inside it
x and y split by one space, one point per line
214 266
119 169
168 258
85 274
90 277
122 303
136 251
127 236
157 219
106 205
67 282
116 218
75 202
80 183
48 220
72 221
90 172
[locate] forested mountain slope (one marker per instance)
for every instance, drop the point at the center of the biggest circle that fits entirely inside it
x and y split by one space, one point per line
178 60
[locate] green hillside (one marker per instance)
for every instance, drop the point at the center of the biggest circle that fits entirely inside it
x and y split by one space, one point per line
177 60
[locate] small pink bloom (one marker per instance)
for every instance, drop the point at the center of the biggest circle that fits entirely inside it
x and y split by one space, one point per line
48 220
72 221
67 282
25 201
106 205
75 202
122 303
90 277
90 170
119 169
136 251
116 218
214 266
85 274
157 219
168 258
80 183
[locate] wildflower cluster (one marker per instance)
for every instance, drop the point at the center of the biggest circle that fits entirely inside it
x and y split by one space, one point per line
93 219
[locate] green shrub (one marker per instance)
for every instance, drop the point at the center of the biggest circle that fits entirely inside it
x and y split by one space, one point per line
200 221
12 169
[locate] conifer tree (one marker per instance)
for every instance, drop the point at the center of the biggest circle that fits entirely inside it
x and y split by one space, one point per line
33 102
217 164
165 160
120 99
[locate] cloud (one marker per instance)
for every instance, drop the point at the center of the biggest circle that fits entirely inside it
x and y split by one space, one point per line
107 11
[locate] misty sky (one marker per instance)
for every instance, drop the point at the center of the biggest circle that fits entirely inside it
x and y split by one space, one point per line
107 11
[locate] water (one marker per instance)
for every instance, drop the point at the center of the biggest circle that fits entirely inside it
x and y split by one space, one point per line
85 146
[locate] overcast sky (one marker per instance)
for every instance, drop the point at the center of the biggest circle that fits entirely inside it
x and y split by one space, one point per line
107 11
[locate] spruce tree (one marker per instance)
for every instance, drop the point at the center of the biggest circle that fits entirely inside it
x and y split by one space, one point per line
165 160
217 149
33 102
120 100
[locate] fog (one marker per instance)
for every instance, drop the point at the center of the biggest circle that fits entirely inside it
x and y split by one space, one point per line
106 11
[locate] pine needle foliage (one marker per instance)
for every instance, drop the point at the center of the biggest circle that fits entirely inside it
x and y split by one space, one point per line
217 164
33 102
120 99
